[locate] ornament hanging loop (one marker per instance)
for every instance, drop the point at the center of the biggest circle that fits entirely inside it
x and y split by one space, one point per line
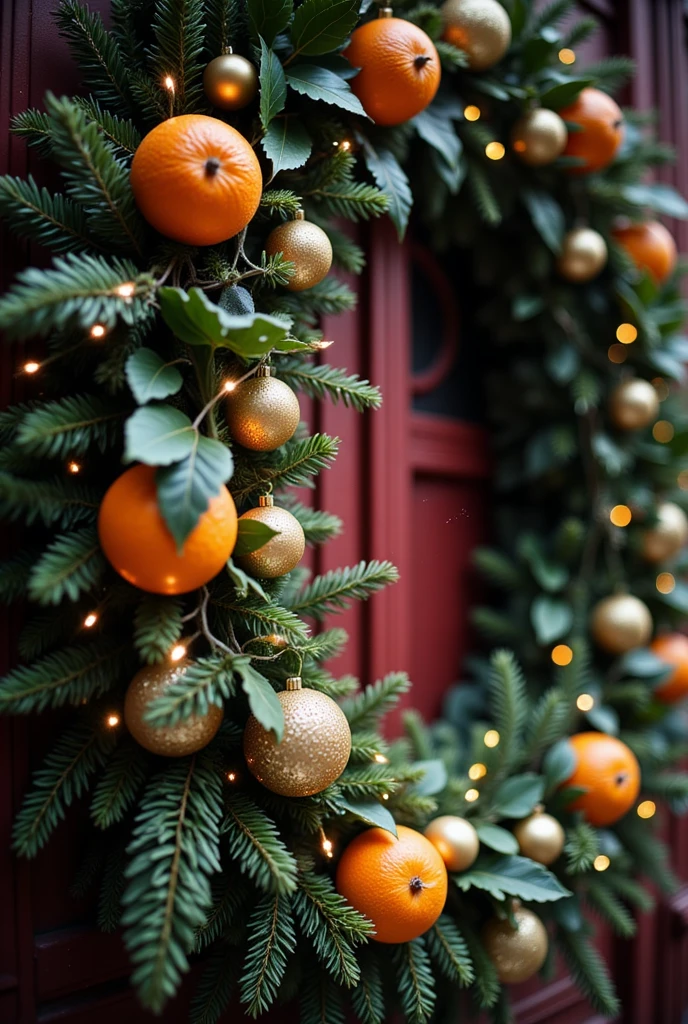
294 683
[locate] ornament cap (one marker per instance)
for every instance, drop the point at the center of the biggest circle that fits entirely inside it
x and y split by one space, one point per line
266 501
385 12
299 215
293 683
264 371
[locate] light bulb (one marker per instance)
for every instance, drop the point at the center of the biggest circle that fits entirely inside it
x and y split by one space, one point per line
381 759
178 652
620 515
31 367
665 583
646 809
97 331
601 862
491 738
471 795
168 82
567 56
477 771
494 150
73 467
472 113
663 431
90 620
586 702
113 720
126 290
626 334
229 385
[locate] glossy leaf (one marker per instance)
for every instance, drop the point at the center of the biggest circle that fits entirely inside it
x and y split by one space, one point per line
149 376
252 536
158 435
513 876
372 813
287 144
320 26
186 487
273 85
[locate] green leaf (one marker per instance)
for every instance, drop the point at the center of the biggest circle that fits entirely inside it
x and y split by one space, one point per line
186 487
434 777
564 93
268 18
513 876
518 796
603 719
273 85
558 764
645 664
287 144
499 839
658 198
435 126
320 26
372 813
252 536
322 84
551 618
263 700
392 180
547 217
149 376
196 320
158 435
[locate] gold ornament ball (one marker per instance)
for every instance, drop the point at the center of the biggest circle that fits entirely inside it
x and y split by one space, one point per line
540 837
620 623
263 412
314 749
455 839
539 137
633 404
177 740
517 953
306 246
230 81
583 255
481 28
282 552
669 534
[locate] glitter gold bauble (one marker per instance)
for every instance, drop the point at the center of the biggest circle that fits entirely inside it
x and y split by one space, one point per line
314 749
621 622
634 404
306 246
262 412
583 255
455 839
281 553
539 137
540 837
230 81
481 28
669 534
177 740
517 953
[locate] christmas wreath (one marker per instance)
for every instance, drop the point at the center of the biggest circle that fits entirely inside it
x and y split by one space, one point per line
206 173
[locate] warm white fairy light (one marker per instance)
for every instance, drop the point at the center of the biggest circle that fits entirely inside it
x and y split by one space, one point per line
477 771
168 82
567 56
231 776
381 759
586 702
126 290
385 796
601 862
471 795
178 652
646 809
113 720
90 620
229 385
327 847
97 331
494 151
74 467
471 112
31 367
491 738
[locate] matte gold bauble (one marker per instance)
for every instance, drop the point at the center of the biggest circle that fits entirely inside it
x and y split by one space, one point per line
306 246
539 137
540 837
455 839
262 412
621 622
177 740
634 404
314 749
583 255
669 534
481 28
282 552
517 953
230 82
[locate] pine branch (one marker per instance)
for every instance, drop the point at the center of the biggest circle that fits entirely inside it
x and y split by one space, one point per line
630 890
42 632
175 849
496 626
373 780
255 844
365 709
282 202
611 73
271 938
354 201
14 574
650 854
69 426
63 777
579 32
332 925
318 527
365 746
345 252
119 784
604 902
112 887
483 194
207 681
34 126
333 382
328 298
551 14
69 676
51 220
71 564
97 54
228 901
158 626
367 997
497 568
321 1001
582 846
326 645
215 987
546 724
259 617
448 949
509 703
56 502
414 980
336 589
299 462
487 986
589 971
119 132
671 787
179 30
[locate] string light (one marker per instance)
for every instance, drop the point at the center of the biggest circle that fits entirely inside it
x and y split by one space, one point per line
345 145
321 344
491 738
90 620
113 720
682 479
562 655
73 467
229 385
178 652
494 151
626 334
97 331
661 387
471 795
477 771
620 515
567 56
31 367
381 759
617 353
126 290
665 583
586 702
601 862
663 431
168 82
231 776
472 113
385 796
646 809
327 847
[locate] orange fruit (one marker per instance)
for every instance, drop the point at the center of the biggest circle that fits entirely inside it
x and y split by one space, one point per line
400 69
672 648
609 772
138 544
400 884
650 246
196 179
601 134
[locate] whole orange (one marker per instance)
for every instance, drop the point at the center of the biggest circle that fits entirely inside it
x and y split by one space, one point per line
610 773
672 648
601 130
138 544
196 179
400 69
650 246
400 884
